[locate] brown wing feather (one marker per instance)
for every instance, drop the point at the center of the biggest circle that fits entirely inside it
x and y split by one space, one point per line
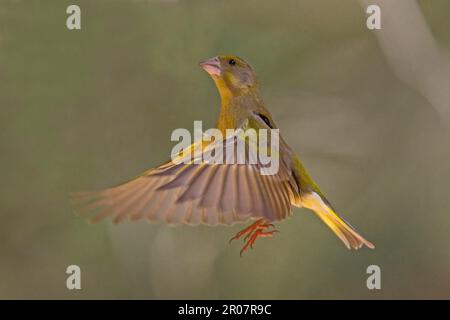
196 193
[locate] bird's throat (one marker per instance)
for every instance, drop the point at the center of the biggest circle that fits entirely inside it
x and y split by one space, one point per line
235 109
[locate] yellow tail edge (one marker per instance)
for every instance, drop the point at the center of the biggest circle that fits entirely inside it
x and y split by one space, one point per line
348 235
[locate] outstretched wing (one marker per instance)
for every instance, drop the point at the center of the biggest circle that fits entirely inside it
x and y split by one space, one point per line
188 191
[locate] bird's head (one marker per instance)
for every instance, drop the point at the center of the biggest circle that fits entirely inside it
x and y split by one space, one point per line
231 74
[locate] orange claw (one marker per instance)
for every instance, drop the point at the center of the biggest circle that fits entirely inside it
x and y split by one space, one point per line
248 230
255 235
254 231
262 226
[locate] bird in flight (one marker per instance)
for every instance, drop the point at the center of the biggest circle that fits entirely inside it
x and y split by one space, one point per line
196 192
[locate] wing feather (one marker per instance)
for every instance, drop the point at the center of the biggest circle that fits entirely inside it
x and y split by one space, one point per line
194 193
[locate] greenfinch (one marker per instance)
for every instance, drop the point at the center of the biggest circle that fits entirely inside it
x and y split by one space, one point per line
224 193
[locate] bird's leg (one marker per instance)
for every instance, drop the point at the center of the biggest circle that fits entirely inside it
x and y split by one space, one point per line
259 227
258 233
254 231
249 230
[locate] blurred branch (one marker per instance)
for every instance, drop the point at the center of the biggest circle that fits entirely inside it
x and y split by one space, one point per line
412 52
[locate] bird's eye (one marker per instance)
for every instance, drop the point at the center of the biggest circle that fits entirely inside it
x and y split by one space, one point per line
232 62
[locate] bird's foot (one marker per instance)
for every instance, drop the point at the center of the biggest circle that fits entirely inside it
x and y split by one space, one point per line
249 230
254 236
252 232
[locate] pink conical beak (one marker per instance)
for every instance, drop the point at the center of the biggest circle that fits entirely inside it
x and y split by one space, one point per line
212 66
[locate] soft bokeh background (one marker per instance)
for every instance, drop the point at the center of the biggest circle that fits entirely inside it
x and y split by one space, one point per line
82 110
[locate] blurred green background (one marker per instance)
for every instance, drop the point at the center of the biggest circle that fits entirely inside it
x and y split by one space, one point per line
82 110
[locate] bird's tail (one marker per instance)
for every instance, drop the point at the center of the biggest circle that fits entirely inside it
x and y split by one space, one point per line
351 238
